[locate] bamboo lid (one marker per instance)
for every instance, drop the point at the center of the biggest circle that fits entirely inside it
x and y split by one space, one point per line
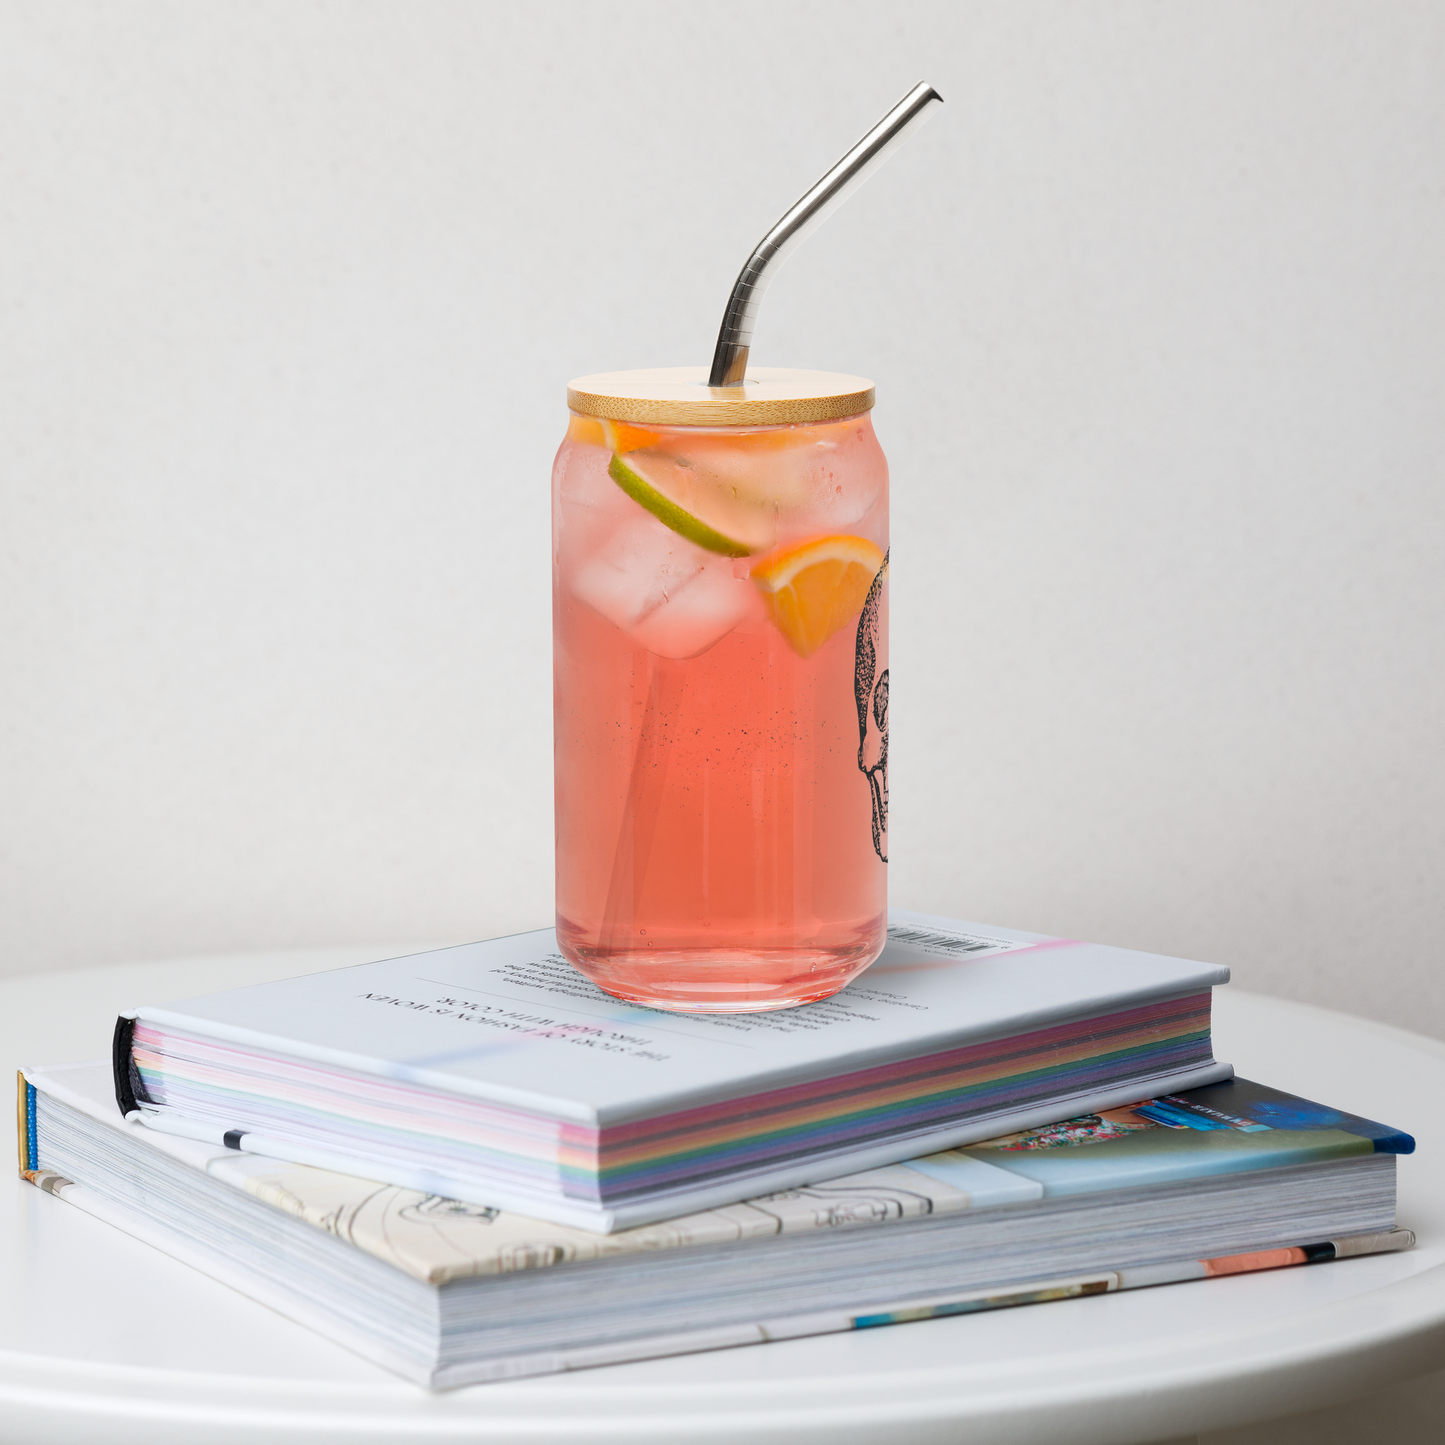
680 396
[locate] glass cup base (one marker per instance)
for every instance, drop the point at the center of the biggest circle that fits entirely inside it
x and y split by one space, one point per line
721 980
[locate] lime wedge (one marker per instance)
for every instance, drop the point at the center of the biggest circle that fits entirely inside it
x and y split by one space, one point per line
627 476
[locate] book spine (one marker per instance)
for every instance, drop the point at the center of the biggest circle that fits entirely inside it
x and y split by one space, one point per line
122 1068
28 1141
25 1122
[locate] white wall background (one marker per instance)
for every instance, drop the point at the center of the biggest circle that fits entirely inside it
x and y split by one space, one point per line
289 292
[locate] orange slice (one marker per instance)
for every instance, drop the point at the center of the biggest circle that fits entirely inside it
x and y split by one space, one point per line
773 438
815 589
590 429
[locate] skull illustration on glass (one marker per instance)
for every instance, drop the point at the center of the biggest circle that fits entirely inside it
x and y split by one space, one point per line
870 689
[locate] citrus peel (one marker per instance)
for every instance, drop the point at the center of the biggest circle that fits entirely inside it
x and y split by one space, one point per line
592 430
669 513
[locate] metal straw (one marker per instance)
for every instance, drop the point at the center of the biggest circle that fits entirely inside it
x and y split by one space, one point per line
730 360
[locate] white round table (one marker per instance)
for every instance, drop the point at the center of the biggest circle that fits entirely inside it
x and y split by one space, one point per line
105 1339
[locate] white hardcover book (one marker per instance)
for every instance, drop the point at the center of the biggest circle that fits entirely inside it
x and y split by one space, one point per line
494 1072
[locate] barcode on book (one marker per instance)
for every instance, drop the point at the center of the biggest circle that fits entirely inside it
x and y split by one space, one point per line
954 944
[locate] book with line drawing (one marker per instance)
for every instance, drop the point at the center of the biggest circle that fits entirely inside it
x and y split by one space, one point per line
1213 1181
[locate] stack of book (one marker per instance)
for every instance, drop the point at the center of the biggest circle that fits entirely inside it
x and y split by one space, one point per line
471 1164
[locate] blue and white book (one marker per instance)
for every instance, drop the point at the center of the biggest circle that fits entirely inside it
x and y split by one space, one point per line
1209 1182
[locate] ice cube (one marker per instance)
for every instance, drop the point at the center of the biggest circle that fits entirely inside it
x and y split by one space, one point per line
638 566
701 614
668 595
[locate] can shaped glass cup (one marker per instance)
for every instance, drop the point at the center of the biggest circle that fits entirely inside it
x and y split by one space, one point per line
720 672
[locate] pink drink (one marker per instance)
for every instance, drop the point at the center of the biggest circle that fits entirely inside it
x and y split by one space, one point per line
721 720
